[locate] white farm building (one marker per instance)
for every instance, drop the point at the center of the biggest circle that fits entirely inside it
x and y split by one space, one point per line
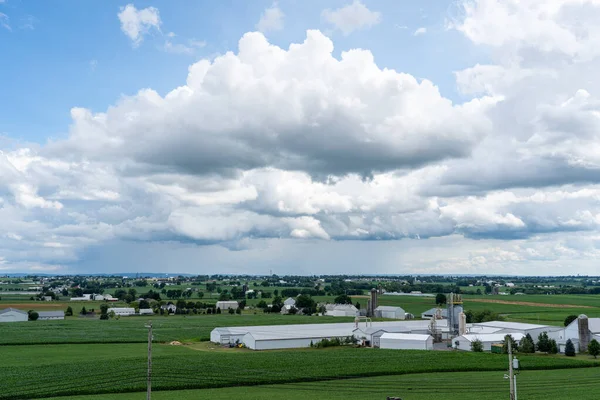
341 310
50 315
406 341
390 312
13 315
295 336
122 311
464 342
226 305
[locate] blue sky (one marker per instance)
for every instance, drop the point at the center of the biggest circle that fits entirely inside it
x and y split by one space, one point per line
303 137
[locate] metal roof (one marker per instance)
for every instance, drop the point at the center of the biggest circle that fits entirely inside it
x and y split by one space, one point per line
405 336
389 308
511 325
492 337
50 314
12 309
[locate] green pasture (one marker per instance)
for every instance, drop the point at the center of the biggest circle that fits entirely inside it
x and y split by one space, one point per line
29 372
581 384
131 329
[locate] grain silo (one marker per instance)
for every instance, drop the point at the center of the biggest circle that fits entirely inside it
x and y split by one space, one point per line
584 332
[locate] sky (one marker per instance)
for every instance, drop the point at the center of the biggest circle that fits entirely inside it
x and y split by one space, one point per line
333 137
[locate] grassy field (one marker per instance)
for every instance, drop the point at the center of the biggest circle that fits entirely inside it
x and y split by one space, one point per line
131 329
581 384
111 368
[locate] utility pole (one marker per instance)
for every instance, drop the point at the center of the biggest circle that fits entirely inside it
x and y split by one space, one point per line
510 370
149 377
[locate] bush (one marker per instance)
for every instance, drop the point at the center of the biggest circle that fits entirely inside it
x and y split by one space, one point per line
553 347
69 312
32 315
543 343
594 348
103 316
231 311
526 345
477 346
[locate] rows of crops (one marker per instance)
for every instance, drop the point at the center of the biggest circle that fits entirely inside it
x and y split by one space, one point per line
192 370
534 385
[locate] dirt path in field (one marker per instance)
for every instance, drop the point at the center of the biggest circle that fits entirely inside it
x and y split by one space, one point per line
528 303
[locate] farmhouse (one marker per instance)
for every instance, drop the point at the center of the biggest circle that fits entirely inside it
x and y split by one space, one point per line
226 305
13 315
406 341
122 311
341 310
48 315
170 308
390 312
289 302
464 342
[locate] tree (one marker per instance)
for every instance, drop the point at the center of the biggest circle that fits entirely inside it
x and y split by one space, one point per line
553 347
477 346
543 343
357 305
262 304
526 345
83 311
144 304
304 301
231 311
513 344
218 310
69 311
200 295
488 288
103 308
103 316
440 299
293 310
32 315
570 349
570 319
238 310
343 299
594 348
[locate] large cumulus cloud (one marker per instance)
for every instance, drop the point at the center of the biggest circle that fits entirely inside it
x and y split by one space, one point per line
273 145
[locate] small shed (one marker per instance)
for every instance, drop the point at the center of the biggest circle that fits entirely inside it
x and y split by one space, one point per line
406 341
146 311
13 315
390 312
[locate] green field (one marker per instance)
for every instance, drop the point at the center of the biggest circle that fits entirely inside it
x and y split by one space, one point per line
581 384
131 329
115 368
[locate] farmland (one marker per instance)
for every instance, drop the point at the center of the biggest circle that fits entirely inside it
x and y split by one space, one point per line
581 384
121 368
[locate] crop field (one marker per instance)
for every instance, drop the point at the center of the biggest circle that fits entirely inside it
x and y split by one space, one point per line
131 329
581 384
121 368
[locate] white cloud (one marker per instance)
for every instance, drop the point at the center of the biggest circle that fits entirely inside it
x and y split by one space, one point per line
137 23
93 65
291 109
191 47
5 21
271 19
420 31
352 17
313 163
